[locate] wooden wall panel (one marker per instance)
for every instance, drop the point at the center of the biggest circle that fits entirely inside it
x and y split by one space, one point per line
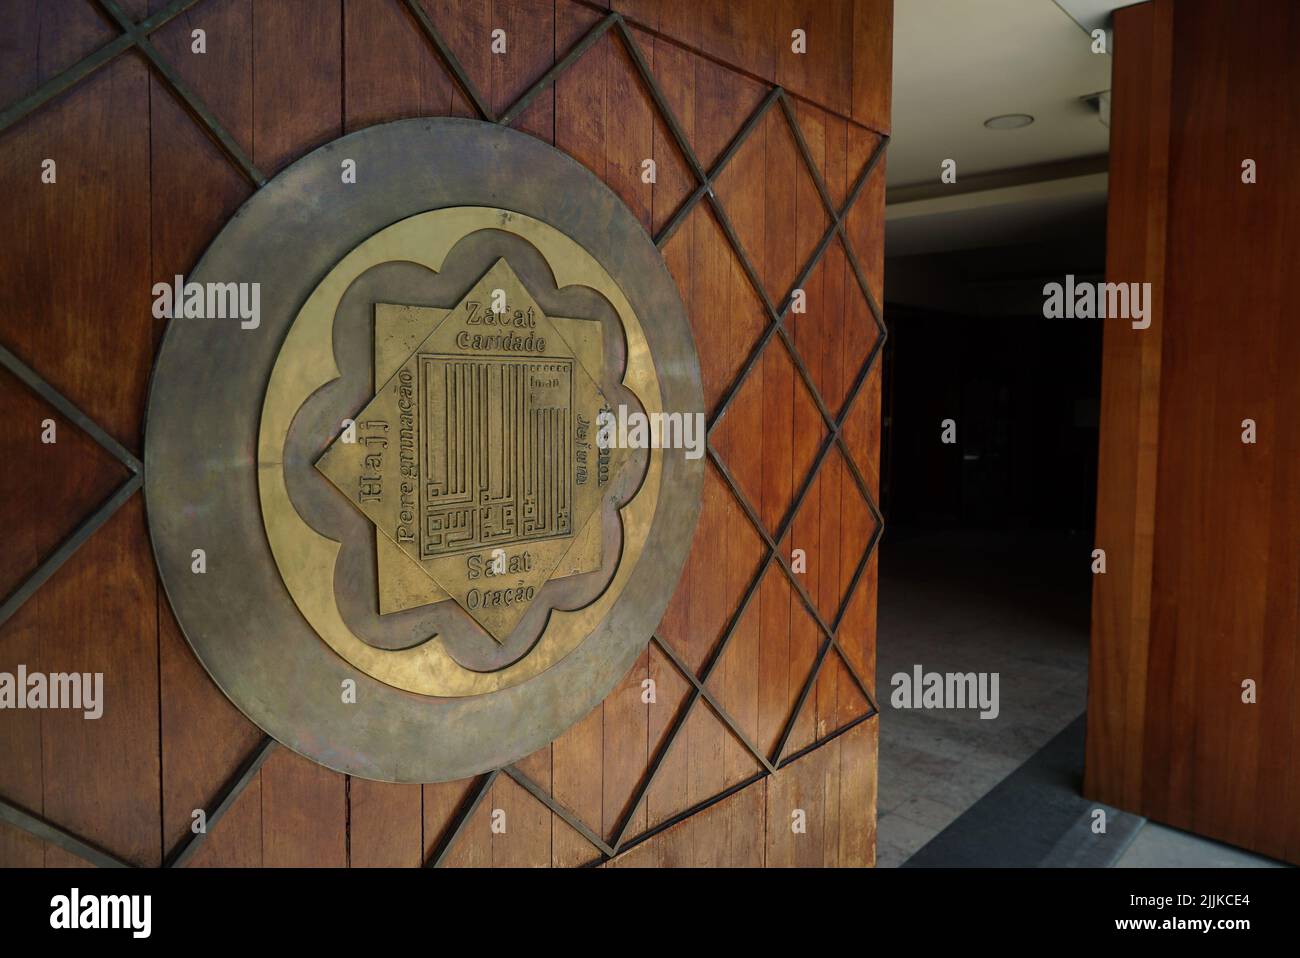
304 813
297 79
576 788
283 78
523 837
96 614
848 65
391 73
534 29
442 801
1130 406
385 825
106 593
1209 530
77 475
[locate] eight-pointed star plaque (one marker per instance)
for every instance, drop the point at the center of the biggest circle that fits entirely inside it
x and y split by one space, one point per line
421 563
476 459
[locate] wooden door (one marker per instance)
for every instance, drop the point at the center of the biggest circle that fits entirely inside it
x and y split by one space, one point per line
758 745
1194 691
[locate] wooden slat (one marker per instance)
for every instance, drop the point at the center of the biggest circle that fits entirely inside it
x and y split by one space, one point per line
20 732
118 752
858 766
297 106
667 795
1130 409
801 787
574 755
724 100
533 31
847 67
442 803
857 636
463 26
1221 365
297 80
689 254
204 738
384 824
873 62
526 839
862 427
304 813
629 139
625 749
704 738
773 379
97 613
675 71
810 429
391 72
473 848
724 105
535 44
581 129
824 73
740 817
865 221
203 735
44 39
222 77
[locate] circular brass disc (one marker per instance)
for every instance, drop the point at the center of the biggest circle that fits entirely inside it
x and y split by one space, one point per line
286 612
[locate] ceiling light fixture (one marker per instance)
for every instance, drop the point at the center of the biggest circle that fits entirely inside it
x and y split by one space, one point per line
1009 121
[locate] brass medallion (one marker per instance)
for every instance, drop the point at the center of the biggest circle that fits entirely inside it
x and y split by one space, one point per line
432 521
475 460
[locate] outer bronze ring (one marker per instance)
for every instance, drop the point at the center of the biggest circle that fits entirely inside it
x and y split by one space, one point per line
203 415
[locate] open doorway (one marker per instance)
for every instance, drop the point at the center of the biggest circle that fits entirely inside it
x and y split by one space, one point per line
997 191
989 489
997 187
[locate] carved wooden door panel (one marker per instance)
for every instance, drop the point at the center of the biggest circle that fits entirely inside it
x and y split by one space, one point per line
130 132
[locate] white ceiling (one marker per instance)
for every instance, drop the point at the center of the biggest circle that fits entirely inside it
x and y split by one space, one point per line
959 62
1093 14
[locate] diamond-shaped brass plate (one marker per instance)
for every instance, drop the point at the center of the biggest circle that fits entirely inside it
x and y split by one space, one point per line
475 459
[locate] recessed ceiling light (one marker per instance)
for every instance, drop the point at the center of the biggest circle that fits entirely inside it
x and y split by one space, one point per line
1009 121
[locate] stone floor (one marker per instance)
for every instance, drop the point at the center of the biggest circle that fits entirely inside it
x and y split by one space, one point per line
1158 846
974 602
992 602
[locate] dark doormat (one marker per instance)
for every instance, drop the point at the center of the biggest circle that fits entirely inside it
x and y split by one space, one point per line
1034 818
